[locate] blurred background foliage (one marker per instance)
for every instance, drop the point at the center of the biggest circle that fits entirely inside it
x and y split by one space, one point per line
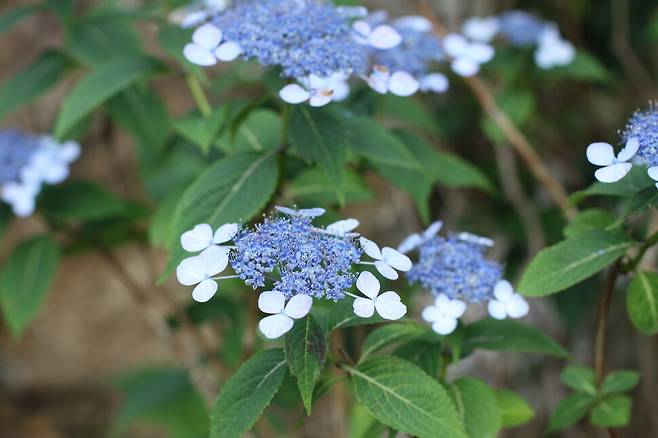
103 357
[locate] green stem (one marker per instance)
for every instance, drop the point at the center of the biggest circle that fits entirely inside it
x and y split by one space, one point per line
286 124
648 243
199 96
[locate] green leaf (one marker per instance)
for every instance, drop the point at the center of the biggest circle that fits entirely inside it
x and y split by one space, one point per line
259 132
519 105
585 67
477 406
159 230
572 261
234 189
318 136
639 202
340 315
509 335
579 378
201 130
32 82
306 351
141 112
101 84
5 220
403 397
620 381
588 220
424 351
313 186
570 410
247 393
389 334
642 302
173 39
14 15
636 180
515 411
25 279
614 411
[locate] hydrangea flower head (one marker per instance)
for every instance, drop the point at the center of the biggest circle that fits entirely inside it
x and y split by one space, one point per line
643 126
296 260
520 28
27 162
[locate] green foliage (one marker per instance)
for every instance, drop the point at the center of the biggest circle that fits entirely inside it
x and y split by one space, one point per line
313 187
14 16
636 180
573 260
340 315
246 394
25 279
262 130
642 302
619 381
201 130
390 334
105 81
477 406
570 410
514 410
403 397
614 411
588 220
306 352
579 378
509 335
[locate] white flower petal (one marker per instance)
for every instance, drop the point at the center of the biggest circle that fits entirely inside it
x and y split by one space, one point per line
474 238
444 325
414 22
197 239
497 309
298 306
207 36
370 248
403 84
481 29
228 51
69 151
386 270
341 91
271 302
225 233
653 173
503 290
216 259
368 284
378 83
431 314
396 259
363 307
465 67
342 227
361 31
613 173
191 271
432 230
193 19
321 98
517 306
479 53
435 83
410 243
441 301
275 326
455 45
629 151
600 154
454 309
199 56
311 212
205 290
294 94
384 37
389 306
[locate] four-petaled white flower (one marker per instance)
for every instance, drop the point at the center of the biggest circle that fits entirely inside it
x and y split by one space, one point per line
507 302
482 29
318 91
615 168
343 227
552 50
199 270
303 212
207 47
443 314
400 83
413 241
467 56
387 260
381 37
201 236
387 305
282 315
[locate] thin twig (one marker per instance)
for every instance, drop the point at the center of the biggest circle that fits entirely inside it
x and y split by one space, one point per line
602 322
515 137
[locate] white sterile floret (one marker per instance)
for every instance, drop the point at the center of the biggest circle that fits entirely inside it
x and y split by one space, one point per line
413 22
653 173
21 197
443 314
201 236
507 303
400 83
207 48
467 56
199 270
413 241
197 12
387 305
316 90
282 315
614 168
474 238
434 83
303 212
482 29
387 260
381 37
343 227
552 49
